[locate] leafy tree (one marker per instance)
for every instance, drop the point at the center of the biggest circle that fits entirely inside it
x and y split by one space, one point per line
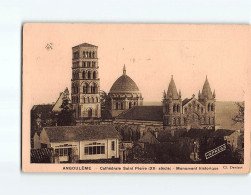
65 116
239 118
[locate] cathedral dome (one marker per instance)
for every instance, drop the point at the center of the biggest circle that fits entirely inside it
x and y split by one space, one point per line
124 84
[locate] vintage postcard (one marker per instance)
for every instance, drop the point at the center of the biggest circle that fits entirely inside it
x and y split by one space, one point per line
136 98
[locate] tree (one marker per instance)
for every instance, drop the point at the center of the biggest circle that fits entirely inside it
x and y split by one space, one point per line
65 116
239 118
103 99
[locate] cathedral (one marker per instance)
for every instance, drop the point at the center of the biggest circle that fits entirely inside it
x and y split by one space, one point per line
189 113
124 102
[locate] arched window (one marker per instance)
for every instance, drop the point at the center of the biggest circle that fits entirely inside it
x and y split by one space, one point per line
185 110
96 99
93 64
93 54
208 107
130 105
84 99
209 121
85 88
198 107
93 100
88 99
174 108
90 54
212 107
84 64
94 75
84 54
190 106
201 110
90 112
89 74
178 108
117 105
83 74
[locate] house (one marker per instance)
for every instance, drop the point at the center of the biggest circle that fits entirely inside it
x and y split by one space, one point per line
80 143
230 136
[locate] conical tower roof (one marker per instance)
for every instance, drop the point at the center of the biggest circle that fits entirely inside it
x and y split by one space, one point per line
172 90
206 91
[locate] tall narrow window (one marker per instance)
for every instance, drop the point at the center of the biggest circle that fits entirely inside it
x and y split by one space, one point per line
89 75
83 75
84 54
93 54
94 75
90 112
113 145
130 104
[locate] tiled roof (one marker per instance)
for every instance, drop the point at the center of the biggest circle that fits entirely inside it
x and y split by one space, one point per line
144 113
42 155
85 45
78 133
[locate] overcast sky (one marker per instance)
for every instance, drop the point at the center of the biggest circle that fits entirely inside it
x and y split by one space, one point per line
151 53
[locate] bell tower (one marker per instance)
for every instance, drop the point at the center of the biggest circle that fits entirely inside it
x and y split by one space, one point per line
172 107
85 83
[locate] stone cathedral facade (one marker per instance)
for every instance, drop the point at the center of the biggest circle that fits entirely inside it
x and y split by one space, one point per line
85 83
189 113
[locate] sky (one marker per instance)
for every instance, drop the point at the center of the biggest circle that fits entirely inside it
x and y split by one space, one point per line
151 53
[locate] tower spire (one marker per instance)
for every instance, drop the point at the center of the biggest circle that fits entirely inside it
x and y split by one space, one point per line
124 70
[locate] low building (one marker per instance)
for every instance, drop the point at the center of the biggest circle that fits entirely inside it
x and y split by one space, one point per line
80 143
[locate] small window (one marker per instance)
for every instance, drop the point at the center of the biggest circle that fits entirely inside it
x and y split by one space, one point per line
61 152
113 145
65 151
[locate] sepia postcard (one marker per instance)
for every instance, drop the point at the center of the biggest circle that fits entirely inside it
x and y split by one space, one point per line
136 98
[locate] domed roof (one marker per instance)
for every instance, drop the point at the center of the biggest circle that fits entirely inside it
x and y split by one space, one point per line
124 84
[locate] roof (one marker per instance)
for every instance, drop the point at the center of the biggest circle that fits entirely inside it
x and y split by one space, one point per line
85 45
149 138
58 104
185 101
170 135
144 113
105 114
42 155
42 108
198 133
124 84
78 133
172 90
206 91
223 132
